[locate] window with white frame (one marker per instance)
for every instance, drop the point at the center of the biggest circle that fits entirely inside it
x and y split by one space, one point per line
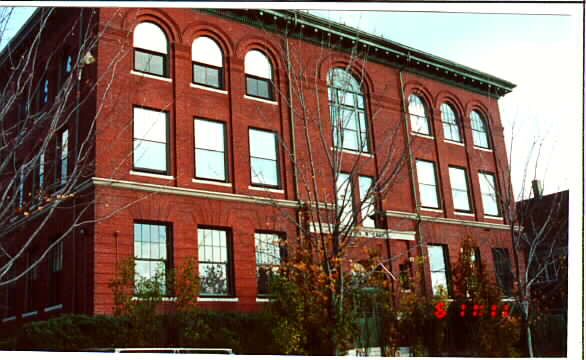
418 115
64 156
214 257
150 140
259 75
270 253
479 130
210 148
344 199
208 63
426 177
347 111
459 183
152 246
488 190
151 49
438 264
450 123
367 201
264 165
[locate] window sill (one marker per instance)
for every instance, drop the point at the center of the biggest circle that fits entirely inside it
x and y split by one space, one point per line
10 318
207 88
432 209
493 217
53 308
164 298
482 149
137 73
422 135
365 154
453 142
264 299
29 314
464 213
218 299
211 182
257 188
140 173
272 102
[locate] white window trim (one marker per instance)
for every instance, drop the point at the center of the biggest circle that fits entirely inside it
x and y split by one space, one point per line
140 173
264 300
493 217
422 135
218 299
211 182
258 188
272 102
459 213
164 298
138 73
29 314
348 151
482 149
432 209
53 308
207 88
454 142
10 318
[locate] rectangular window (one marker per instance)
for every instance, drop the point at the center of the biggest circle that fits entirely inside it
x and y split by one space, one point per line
459 183
344 199
210 147
489 194
438 263
214 255
426 177
151 149
367 204
405 276
258 87
55 271
20 189
348 117
63 156
150 62
502 265
41 170
207 75
269 255
264 166
152 251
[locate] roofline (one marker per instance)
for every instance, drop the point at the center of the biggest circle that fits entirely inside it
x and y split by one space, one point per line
419 61
20 35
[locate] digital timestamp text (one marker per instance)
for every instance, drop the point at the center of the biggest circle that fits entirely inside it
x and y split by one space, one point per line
474 310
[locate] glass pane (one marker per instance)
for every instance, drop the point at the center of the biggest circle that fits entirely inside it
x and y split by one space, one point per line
438 281
154 233
490 205
210 165
150 125
146 250
209 135
360 101
155 251
436 258
264 171
263 89
428 195
350 140
199 74
461 200
349 119
425 172
213 77
206 51
213 279
364 184
149 36
150 155
251 86
257 64
149 63
458 178
262 144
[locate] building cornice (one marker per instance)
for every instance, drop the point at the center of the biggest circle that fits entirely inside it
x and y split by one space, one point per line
442 220
377 48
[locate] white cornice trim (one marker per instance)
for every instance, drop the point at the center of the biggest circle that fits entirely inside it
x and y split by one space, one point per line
408 215
166 189
219 299
360 231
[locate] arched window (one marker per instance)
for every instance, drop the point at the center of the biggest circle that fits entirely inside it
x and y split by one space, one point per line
479 130
259 75
208 63
450 123
418 116
151 49
347 111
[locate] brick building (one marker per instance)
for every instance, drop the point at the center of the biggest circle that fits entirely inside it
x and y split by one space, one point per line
193 128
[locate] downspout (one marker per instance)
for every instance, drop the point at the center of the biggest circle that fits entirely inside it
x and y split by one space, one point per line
292 120
413 187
